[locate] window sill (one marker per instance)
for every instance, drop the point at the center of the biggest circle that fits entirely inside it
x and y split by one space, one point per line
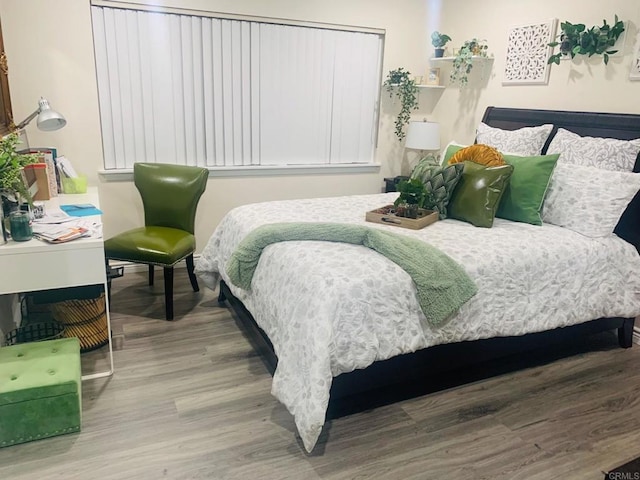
126 174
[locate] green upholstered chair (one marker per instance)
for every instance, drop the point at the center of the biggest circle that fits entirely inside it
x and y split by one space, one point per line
170 195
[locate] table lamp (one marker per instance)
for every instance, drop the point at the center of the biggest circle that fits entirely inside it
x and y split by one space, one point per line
424 136
48 119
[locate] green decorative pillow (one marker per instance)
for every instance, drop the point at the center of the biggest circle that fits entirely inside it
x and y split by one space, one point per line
523 197
439 182
450 151
477 196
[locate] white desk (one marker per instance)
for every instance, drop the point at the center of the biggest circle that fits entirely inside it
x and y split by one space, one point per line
36 265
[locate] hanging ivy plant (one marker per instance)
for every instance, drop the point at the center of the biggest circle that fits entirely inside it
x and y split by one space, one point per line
576 39
463 61
400 84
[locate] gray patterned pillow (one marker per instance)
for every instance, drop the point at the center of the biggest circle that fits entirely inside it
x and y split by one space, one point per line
526 141
588 200
439 181
605 153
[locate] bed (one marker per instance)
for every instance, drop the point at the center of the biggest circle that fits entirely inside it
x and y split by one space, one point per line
339 322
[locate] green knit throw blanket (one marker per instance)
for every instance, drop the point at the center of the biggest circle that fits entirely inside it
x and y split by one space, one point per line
442 285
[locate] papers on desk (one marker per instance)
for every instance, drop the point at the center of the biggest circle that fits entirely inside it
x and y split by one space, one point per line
58 227
58 233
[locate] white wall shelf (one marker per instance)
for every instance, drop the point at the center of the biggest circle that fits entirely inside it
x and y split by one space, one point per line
476 58
431 86
483 64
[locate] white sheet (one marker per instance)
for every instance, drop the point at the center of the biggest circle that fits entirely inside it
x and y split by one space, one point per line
331 308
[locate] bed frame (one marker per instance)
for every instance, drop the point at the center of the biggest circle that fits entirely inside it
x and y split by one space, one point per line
438 367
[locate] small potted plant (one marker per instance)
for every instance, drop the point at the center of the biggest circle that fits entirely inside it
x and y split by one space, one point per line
413 196
439 40
400 84
576 39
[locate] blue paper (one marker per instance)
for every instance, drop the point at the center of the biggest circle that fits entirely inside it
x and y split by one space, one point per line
80 210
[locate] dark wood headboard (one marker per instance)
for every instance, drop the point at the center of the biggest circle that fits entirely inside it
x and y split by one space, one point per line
622 126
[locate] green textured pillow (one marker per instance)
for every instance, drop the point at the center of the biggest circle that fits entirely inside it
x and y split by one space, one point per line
440 182
523 197
476 198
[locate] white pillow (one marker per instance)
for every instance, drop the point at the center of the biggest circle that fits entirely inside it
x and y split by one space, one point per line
588 200
606 153
526 141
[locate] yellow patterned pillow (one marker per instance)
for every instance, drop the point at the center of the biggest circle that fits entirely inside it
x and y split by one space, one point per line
479 153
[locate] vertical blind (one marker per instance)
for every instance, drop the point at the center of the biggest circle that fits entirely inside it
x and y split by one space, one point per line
197 90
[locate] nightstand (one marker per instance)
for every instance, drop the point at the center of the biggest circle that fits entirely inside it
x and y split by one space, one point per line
391 182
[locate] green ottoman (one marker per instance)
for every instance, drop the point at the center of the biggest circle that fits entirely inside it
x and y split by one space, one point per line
40 391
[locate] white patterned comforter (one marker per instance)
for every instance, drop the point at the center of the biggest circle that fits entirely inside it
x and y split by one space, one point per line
331 308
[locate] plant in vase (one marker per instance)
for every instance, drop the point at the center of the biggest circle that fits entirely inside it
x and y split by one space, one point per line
13 191
576 39
400 83
463 61
439 40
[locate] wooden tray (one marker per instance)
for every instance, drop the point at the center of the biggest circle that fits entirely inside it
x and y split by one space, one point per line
382 215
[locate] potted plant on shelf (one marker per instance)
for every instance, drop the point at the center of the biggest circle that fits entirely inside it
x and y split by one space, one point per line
439 40
463 61
400 84
575 39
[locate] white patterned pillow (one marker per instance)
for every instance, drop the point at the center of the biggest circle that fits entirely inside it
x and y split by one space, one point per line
526 141
606 153
588 200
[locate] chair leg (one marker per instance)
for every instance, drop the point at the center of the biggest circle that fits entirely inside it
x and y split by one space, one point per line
192 275
168 292
150 274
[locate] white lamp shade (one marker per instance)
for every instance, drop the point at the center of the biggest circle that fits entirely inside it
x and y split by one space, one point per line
423 136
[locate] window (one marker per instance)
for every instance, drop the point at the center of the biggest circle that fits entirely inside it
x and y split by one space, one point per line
227 92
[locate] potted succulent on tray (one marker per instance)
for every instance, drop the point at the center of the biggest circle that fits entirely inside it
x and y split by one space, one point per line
400 83
413 196
439 40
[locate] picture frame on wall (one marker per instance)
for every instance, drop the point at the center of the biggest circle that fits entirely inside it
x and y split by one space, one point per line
634 73
528 51
433 76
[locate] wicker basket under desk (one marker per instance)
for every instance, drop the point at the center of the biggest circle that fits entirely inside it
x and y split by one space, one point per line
85 319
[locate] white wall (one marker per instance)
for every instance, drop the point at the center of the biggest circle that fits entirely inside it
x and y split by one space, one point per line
50 53
583 85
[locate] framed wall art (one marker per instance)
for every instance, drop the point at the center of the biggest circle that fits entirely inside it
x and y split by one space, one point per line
527 53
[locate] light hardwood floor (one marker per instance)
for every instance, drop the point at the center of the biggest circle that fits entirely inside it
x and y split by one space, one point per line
190 400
